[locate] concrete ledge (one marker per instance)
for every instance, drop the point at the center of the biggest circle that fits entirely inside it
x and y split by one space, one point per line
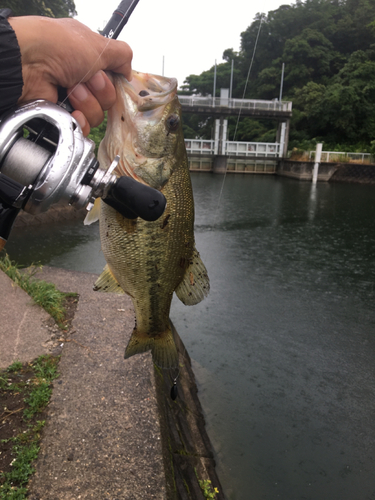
354 173
303 170
24 333
187 449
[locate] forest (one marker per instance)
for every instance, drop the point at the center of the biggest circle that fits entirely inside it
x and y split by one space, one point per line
328 48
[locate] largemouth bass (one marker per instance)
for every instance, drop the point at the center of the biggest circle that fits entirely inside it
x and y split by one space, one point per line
151 260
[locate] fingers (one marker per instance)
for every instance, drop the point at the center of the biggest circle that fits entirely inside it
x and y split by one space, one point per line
83 123
102 88
118 57
92 98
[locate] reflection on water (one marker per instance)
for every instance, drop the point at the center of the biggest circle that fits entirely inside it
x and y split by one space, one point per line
68 244
284 346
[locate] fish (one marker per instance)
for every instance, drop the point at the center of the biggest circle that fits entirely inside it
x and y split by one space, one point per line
149 261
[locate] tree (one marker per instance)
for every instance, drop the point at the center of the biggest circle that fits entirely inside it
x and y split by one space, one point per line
328 47
49 8
308 57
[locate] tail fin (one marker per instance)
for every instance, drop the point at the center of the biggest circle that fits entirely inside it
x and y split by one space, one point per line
163 348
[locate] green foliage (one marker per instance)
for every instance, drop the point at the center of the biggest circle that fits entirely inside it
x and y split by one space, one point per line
196 127
207 489
96 134
252 130
14 367
49 8
328 48
37 390
45 369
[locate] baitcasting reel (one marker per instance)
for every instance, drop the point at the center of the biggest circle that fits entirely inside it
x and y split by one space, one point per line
45 159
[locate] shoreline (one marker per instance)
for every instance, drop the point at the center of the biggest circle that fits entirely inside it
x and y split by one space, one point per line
112 430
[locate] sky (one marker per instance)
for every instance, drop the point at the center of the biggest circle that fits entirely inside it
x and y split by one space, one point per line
189 36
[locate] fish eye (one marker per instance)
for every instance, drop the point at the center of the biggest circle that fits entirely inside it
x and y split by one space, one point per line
143 93
172 123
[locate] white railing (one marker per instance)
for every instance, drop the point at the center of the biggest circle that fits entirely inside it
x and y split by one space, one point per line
252 149
200 146
337 156
235 103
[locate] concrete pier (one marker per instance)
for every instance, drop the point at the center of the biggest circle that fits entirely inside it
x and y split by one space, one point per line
220 164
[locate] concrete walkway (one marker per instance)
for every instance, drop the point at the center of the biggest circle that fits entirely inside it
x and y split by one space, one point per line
23 325
102 439
112 431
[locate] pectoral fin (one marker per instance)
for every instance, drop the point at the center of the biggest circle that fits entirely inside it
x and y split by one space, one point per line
195 285
108 283
94 213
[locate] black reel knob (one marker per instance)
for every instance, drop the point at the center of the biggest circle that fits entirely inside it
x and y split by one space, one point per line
133 199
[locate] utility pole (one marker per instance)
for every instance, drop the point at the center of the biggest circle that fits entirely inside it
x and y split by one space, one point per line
231 80
214 91
281 82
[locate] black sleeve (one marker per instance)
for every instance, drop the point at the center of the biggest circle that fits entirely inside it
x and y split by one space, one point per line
11 81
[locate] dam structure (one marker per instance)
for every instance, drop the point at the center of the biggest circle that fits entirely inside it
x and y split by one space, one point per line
219 154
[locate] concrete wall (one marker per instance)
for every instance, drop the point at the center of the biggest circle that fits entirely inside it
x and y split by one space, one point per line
302 170
354 172
333 172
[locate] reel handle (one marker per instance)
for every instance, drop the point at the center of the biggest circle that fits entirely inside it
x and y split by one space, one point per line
133 199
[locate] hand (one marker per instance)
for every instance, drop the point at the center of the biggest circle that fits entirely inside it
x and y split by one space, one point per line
66 53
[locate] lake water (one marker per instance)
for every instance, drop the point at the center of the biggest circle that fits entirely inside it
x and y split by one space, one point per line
284 346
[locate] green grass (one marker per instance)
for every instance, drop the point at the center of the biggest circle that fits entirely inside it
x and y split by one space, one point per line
44 294
37 390
15 367
31 384
45 369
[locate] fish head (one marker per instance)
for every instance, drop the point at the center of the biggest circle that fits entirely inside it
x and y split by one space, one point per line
144 128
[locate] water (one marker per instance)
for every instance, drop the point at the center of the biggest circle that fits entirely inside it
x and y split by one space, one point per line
284 346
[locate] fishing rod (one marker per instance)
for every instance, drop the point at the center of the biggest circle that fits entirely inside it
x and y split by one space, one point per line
111 30
119 18
56 163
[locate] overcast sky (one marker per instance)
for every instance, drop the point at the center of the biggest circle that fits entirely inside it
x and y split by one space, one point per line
190 35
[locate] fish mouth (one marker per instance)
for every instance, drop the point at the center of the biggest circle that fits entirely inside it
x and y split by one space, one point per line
150 91
133 123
